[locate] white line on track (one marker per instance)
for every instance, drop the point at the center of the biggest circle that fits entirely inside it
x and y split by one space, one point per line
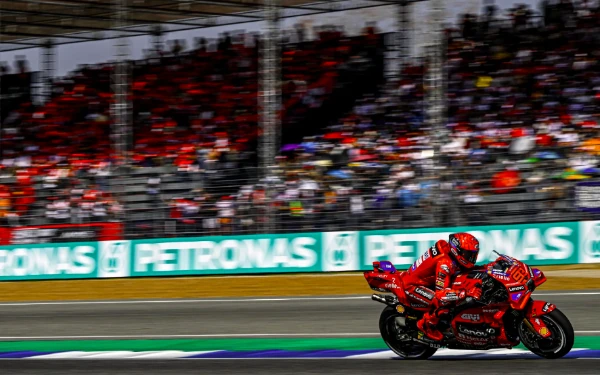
134 302
235 300
224 335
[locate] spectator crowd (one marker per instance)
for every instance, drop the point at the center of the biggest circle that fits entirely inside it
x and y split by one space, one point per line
521 117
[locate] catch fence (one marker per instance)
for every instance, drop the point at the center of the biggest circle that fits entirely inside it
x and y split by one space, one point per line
225 198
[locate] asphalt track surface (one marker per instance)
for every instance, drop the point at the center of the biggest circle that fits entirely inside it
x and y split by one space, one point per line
294 317
302 367
311 317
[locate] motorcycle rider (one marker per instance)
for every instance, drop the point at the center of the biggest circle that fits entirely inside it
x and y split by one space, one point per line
438 266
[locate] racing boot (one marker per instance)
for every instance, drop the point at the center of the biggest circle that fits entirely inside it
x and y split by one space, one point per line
428 325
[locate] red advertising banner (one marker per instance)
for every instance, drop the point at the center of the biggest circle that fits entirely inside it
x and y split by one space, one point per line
61 233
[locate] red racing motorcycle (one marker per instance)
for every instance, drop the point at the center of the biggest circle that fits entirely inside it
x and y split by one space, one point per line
503 317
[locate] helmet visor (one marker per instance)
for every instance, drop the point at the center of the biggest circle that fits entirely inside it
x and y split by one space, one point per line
469 256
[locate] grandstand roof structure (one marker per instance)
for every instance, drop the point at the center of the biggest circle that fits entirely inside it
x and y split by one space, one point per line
30 23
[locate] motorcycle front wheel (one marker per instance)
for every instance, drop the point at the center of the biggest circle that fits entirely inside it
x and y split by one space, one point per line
560 341
390 329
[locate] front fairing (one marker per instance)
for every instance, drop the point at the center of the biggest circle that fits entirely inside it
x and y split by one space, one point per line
519 279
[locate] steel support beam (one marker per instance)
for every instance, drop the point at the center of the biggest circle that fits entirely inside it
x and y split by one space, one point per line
136 8
435 82
48 69
21 43
132 21
121 122
38 35
66 27
258 5
158 40
397 47
393 46
31 44
405 28
270 102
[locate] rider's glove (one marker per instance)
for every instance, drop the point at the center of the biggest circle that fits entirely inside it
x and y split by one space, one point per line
475 292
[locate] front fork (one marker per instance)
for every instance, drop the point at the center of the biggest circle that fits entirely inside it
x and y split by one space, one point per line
533 317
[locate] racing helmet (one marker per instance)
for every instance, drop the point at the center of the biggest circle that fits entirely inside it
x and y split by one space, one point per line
465 249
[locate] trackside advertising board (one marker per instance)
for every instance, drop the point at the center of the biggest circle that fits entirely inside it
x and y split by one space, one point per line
49 261
536 244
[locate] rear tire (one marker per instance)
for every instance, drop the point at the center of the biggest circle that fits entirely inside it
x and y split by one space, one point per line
560 343
389 330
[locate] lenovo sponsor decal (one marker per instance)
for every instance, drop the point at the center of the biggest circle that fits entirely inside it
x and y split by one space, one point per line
476 330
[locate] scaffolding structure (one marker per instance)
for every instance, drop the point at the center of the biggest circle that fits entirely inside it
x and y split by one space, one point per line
30 23
92 20
157 40
48 68
120 82
405 30
435 93
398 43
270 96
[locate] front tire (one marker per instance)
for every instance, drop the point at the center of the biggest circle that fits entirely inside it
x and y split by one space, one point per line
558 344
389 329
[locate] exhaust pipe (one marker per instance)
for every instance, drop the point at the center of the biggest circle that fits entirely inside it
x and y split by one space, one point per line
387 300
379 298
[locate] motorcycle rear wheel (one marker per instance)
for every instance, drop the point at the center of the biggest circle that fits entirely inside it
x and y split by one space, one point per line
560 342
389 329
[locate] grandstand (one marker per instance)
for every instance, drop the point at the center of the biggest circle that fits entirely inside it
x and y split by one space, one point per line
191 142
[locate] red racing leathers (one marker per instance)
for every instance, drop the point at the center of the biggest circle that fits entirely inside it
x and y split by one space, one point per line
433 270
436 268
